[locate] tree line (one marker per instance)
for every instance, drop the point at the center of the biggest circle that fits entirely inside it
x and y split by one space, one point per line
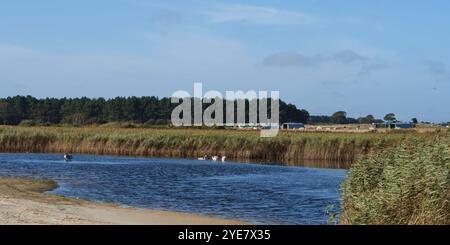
151 110
340 117
28 110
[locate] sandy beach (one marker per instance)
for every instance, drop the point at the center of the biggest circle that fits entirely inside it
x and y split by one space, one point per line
23 201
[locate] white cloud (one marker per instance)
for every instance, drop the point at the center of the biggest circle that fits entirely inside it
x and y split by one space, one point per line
259 15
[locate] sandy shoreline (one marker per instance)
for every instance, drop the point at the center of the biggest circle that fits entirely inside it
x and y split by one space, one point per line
22 201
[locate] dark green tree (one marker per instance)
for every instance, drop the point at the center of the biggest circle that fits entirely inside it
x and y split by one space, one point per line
390 117
339 117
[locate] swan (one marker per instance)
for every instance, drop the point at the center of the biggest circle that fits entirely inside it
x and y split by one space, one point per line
203 158
224 158
214 158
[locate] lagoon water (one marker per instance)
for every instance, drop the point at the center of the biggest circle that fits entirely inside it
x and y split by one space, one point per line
258 194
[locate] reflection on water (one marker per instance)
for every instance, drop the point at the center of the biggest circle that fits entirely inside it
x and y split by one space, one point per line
332 164
259 194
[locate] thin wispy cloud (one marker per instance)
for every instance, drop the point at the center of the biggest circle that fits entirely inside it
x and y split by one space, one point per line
286 59
435 67
258 15
168 18
349 59
438 70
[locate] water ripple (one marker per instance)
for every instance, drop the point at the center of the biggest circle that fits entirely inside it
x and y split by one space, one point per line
259 194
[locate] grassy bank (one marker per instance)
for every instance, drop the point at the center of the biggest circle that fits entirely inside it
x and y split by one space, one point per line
23 185
409 184
317 149
31 189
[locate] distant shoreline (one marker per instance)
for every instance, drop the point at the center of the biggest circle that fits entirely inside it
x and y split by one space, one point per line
24 202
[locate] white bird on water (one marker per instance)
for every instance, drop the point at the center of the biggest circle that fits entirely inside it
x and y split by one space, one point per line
203 158
213 158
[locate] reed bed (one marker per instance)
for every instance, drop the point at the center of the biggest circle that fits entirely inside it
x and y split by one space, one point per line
315 149
409 184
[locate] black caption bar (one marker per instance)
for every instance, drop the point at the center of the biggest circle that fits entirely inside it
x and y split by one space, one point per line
222 234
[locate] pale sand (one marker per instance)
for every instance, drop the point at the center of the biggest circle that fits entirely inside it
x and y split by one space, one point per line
22 202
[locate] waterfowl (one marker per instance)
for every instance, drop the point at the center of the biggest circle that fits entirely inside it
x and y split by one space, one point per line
214 158
67 157
224 158
203 158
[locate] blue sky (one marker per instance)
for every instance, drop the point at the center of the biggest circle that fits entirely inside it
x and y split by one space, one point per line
361 56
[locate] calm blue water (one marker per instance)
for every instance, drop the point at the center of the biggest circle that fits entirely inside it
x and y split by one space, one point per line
258 194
